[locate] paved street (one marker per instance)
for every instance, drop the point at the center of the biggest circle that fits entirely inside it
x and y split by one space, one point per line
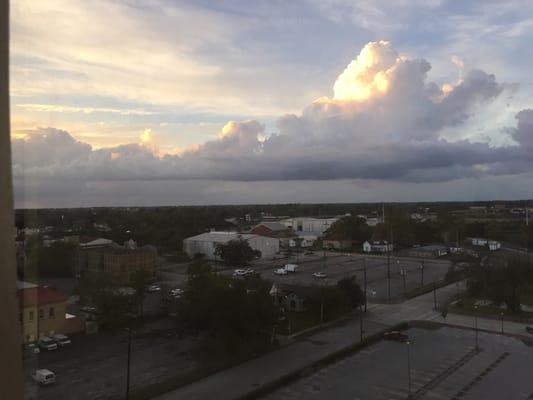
443 365
338 266
241 380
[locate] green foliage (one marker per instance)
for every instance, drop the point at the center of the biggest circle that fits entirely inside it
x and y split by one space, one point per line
114 309
56 261
501 281
350 227
354 296
232 312
236 253
198 266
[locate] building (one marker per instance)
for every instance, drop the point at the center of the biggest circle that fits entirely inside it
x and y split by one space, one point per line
105 257
337 242
302 241
492 245
308 225
206 243
91 255
381 246
42 311
479 241
120 263
431 251
274 230
291 297
371 220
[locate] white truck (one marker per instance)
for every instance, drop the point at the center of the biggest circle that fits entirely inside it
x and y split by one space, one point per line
291 267
43 376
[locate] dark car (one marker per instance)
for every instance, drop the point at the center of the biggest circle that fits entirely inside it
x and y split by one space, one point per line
396 336
529 329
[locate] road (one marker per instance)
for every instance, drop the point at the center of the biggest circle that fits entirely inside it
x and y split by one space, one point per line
243 379
338 266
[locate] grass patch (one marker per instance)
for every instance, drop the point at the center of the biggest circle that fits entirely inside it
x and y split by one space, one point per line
302 321
466 306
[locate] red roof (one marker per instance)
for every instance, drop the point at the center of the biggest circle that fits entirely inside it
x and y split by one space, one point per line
39 295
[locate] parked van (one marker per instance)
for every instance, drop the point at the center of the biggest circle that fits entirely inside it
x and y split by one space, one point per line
291 267
43 376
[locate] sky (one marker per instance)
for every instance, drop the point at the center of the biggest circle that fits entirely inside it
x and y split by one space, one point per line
170 102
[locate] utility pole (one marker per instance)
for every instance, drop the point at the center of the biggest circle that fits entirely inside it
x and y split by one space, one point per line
128 370
361 330
422 273
364 278
434 295
501 319
475 327
409 368
404 273
389 248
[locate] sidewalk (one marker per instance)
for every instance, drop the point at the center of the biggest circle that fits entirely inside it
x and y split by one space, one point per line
239 381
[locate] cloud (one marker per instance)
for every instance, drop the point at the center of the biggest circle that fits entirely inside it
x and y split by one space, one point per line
523 133
383 123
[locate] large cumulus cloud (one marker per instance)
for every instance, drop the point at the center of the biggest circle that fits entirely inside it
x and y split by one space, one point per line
383 122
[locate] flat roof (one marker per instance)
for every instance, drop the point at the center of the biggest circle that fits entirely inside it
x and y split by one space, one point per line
221 237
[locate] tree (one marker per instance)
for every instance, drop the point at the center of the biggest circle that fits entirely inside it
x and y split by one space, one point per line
350 227
501 281
198 265
236 253
351 290
231 312
139 282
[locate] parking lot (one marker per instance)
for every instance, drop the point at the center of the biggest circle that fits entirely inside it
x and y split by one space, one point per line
94 366
337 266
443 365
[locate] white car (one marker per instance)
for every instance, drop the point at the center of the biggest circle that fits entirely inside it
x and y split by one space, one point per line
47 343
43 376
320 275
153 288
243 272
61 340
176 293
280 271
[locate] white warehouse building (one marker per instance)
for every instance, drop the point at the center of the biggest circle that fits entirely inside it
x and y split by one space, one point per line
308 226
206 243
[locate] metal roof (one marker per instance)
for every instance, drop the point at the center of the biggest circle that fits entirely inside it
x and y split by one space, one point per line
221 237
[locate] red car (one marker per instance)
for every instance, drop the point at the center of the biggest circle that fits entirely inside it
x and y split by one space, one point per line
396 336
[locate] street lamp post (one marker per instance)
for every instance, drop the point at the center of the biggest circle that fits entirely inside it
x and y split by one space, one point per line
434 295
409 368
361 330
422 273
128 370
501 319
404 273
364 278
